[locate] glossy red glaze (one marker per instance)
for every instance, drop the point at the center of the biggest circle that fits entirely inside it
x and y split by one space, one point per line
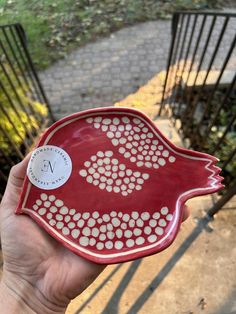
124 197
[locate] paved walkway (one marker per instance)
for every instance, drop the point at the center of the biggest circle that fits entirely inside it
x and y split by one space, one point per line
106 71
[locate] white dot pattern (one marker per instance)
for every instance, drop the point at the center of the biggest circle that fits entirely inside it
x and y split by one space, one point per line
117 180
135 140
106 231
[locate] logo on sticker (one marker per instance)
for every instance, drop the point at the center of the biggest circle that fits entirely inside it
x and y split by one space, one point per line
49 167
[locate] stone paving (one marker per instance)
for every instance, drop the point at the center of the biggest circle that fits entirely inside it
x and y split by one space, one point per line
106 71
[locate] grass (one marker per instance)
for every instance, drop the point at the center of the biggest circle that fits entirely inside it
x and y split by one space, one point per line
55 27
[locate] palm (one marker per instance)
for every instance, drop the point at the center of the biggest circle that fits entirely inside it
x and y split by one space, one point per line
37 258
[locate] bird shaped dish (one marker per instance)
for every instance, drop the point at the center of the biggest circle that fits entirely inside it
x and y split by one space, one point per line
110 187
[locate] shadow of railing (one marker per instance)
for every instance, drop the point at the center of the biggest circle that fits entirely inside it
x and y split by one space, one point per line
201 225
112 305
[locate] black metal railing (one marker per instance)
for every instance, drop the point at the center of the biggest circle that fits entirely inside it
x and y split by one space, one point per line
200 86
24 108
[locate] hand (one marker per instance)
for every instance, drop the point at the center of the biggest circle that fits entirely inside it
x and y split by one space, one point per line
39 274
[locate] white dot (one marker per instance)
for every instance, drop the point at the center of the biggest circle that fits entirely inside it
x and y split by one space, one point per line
150 135
125 119
121 128
139 163
44 196
156 215
106 121
98 119
123 187
93 158
86 231
137 137
160 147
147 158
49 216
110 134
161 161
89 179
97 125
109 182
39 202
60 225
123 225
128 234
131 223
119 233
147 230
138 187
64 210
145 216
130 243
83 173
84 241
140 181
152 223
139 222
35 207
118 134
103 179
109 188
71 225
102 186
137 231
133 159
113 128
109 227
152 238
53 209
113 214
128 127
126 180
156 166
122 140
159 231
172 159
122 150
106 217
102 237
115 141
116 189
59 217
136 129
164 210
89 120
148 164
169 217
52 222
144 152
104 128
162 223
143 136
65 231
165 153
145 176
80 223
77 216
100 162
95 232
115 222
110 235
118 245
95 215
116 121
100 246
126 217
136 121
91 222
124 193
87 164
154 158
72 211
92 242
42 211
139 240
67 218
129 145
135 215
109 245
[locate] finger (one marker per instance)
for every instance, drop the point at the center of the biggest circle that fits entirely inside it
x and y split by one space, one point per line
15 180
186 212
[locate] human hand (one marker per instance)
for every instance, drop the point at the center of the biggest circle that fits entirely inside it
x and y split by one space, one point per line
39 274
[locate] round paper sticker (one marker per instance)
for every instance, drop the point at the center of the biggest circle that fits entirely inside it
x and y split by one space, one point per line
49 167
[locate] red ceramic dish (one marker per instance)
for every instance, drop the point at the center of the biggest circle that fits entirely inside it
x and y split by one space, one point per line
109 186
